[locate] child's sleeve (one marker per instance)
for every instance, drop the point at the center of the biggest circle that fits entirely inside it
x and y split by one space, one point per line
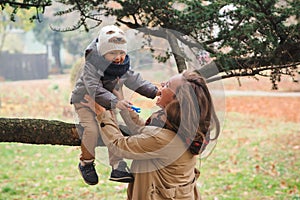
136 83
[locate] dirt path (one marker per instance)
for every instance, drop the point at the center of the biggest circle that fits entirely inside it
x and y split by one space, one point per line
256 98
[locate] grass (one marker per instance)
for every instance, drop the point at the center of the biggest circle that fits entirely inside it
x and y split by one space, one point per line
255 158
50 172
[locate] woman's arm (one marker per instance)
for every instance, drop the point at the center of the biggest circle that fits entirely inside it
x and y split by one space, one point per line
148 144
132 120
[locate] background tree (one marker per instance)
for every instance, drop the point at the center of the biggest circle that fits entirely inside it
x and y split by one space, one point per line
20 19
244 37
54 39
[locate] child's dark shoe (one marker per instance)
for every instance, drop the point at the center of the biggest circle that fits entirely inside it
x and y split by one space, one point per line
121 174
88 173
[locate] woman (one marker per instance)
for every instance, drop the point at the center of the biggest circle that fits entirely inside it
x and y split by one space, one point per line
164 152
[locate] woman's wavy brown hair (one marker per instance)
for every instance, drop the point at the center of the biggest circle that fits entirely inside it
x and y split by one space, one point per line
191 114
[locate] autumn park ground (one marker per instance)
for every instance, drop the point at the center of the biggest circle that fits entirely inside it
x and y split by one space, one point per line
257 155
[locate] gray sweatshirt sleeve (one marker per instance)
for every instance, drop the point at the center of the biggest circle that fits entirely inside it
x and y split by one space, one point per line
136 83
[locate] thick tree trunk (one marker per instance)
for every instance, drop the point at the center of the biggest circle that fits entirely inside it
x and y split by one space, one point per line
38 131
180 61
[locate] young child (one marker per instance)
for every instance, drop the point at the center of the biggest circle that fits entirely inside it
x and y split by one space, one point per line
107 67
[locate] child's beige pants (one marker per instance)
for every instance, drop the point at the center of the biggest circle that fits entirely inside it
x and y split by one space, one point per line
91 135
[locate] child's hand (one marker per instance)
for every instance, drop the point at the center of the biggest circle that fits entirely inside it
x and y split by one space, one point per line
123 104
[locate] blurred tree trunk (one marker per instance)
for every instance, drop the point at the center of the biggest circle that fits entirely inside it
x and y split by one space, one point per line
56 47
38 131
2 40
180 61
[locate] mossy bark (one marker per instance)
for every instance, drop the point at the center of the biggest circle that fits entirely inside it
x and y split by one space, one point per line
38 131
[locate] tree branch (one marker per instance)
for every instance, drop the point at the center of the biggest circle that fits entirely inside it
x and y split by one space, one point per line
256 71
22 5
38 131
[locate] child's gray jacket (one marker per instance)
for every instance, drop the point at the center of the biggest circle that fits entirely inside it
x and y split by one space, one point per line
98 78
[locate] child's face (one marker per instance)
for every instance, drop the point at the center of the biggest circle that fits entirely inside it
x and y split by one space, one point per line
116 56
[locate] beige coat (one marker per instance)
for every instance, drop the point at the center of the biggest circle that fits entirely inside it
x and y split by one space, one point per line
163 168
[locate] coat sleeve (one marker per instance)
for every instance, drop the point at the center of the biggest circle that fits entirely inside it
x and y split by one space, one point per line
132 121
94 86
136 83
147 145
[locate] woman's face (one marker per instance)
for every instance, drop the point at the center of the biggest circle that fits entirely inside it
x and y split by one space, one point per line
167 92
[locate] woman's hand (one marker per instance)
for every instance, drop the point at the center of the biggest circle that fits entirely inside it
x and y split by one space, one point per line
98 109
122 103
119 93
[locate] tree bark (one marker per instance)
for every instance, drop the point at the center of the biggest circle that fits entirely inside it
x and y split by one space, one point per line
180 61
38 131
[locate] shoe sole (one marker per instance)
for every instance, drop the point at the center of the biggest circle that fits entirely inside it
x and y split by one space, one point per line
89 183
122 180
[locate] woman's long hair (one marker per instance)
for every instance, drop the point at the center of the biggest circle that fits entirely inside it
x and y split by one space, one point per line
191 114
